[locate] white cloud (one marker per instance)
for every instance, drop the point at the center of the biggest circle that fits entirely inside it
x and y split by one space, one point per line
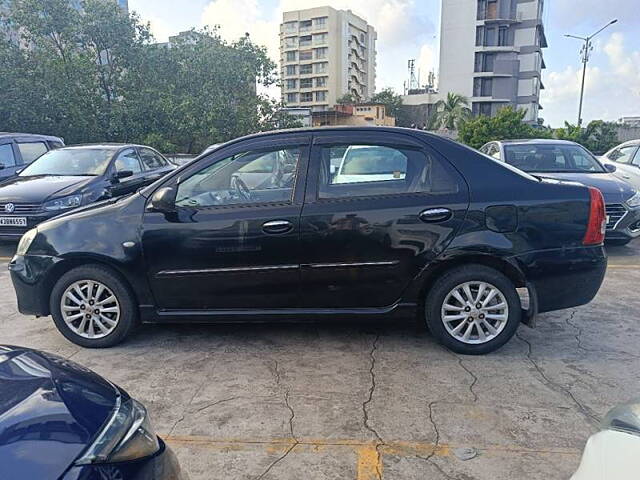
611 90
160 29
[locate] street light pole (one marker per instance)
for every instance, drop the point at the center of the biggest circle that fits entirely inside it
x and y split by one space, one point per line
585 51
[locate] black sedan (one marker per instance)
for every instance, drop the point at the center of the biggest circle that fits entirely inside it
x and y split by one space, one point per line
60 421
569 161
70 177
356 222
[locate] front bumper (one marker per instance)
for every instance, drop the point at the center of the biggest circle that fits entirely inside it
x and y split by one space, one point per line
564 278
161 466
626 227
33 220
30 277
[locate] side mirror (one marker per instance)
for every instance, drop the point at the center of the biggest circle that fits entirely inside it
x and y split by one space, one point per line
610 168
122 174
163 200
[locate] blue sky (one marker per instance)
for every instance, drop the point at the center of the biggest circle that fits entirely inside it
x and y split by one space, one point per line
409 29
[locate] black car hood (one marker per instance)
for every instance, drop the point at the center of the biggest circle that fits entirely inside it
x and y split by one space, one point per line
51 409
613 189
37 189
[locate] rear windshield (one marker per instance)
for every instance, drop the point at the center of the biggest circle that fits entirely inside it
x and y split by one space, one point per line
539 158
74 162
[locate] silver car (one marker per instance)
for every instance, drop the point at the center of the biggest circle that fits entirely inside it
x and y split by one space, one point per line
626 157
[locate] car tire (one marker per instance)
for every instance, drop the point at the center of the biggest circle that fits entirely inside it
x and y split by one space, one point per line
491 328
618 242
104 284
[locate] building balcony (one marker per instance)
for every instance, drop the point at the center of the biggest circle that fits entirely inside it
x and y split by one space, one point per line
497 48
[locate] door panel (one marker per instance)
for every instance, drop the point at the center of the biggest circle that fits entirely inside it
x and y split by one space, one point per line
234 253
363 250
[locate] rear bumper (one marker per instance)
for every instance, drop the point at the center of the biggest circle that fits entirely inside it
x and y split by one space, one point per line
564 278
161 466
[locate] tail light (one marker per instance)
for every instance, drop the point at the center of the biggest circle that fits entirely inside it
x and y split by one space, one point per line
597 225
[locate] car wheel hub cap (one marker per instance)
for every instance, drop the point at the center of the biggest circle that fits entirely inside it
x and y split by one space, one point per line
90 309
474 312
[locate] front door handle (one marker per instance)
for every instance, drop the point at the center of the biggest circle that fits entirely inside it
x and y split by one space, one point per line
275 227
432 215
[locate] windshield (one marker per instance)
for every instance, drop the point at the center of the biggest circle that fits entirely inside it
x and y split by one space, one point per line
75 162
551 158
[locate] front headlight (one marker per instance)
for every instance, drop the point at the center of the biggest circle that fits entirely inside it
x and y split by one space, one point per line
623 418
63 203
25 241
127 436
634 201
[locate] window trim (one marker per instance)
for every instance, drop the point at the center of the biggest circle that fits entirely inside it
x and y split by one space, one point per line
299 187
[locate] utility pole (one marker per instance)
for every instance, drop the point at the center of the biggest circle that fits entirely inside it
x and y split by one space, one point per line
584 53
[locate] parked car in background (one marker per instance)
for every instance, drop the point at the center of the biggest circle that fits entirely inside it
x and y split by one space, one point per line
70 177
564 160
451 238
61 421
627 161
612 453
18 150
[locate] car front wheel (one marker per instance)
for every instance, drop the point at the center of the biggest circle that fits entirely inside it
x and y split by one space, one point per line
473 310
93 307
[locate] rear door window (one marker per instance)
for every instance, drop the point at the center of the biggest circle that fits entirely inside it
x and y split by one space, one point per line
151 160
623 154
128 160
366 170
31 150
7 158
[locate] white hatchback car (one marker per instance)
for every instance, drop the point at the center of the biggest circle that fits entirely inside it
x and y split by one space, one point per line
626 157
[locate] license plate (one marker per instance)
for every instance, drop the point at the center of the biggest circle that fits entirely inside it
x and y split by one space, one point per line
13 221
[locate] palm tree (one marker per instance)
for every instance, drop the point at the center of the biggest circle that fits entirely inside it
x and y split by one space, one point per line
450 113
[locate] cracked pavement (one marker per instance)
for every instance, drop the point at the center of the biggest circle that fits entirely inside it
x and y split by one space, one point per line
372 401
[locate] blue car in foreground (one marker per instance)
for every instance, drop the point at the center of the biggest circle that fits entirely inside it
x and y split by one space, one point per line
59 420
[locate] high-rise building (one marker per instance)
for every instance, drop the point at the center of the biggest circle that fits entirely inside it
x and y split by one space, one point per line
325 54
491 52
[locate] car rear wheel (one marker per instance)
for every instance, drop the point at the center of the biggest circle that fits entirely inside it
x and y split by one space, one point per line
473 310
93 307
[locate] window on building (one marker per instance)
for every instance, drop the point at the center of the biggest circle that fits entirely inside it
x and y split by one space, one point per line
292 84
503 36
484 62
291 42
292 98
481 108
492 10
291 69
320 22
305 41
306 69
490 37
320 39
482 87
321 53
292 56
305 25
306 82
320 67
290 27
482 9
321 96
479 36
306 55
306 97
321 81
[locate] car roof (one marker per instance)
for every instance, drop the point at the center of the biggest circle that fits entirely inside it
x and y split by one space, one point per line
103 146
32 135
535 141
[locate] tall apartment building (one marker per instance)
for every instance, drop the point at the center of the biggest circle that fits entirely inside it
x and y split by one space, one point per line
325 54
491 52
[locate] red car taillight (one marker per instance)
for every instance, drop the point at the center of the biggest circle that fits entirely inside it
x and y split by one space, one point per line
597 225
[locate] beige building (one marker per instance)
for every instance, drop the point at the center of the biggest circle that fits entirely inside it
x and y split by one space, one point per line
325 54
357 115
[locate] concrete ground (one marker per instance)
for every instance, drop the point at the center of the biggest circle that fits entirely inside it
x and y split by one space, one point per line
370 400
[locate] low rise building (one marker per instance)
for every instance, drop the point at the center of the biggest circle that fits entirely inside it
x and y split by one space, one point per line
362 114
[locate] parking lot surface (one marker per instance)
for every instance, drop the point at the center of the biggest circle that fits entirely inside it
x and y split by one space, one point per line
371 400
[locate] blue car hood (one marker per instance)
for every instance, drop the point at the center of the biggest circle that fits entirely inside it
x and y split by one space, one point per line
51 409
613 189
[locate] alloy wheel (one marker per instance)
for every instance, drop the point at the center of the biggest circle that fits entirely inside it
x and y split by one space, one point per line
90 309
475 312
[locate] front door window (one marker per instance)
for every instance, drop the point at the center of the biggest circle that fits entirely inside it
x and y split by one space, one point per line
244 178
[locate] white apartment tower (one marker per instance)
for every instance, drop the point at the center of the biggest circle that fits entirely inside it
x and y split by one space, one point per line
491 52
325 54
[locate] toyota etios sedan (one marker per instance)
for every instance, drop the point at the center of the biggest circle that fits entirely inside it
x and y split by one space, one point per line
412 222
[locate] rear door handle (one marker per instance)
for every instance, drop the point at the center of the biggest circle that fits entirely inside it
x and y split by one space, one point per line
432 215
275 227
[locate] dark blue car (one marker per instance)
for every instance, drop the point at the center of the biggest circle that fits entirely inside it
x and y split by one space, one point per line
59 420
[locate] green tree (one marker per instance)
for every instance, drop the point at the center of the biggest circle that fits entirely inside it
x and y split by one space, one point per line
506 124
599 136
391 101
450 113
346 99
